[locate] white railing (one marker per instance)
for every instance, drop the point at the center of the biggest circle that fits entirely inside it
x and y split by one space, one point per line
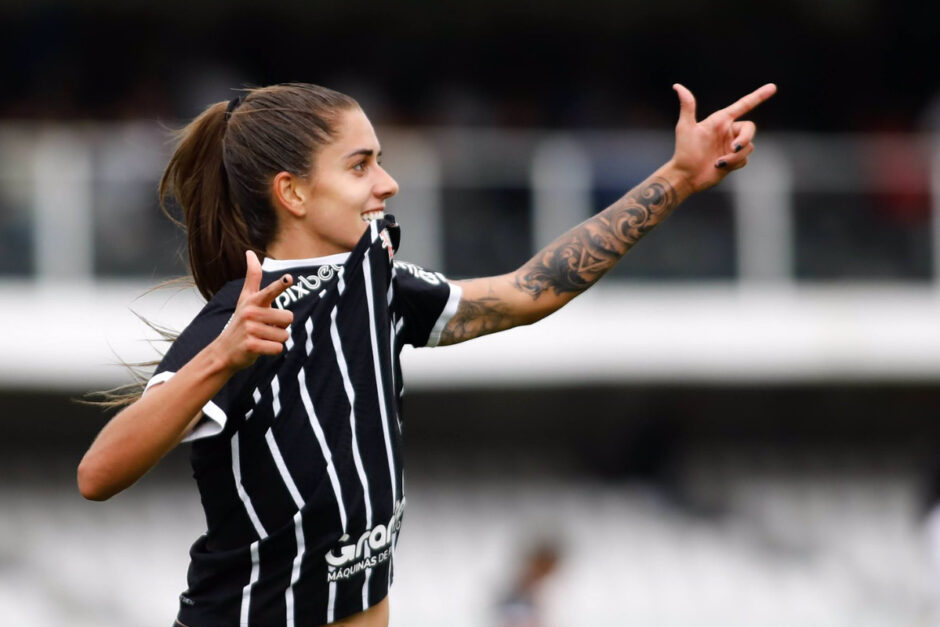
50 174
763 324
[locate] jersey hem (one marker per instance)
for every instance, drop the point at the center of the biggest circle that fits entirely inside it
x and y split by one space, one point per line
185 614
205 428
449 310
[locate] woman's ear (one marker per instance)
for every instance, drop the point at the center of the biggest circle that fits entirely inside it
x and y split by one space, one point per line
290 193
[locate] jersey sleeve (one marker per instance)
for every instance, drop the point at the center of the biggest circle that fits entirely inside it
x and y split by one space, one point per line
207 326
424 301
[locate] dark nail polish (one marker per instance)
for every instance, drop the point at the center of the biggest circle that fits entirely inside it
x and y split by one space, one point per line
737 147
721 163
285 280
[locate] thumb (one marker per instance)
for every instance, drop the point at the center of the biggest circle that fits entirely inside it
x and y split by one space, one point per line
686 104
252 275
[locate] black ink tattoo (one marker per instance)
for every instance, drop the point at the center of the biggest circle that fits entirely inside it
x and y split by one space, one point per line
567 267
475 318
576 260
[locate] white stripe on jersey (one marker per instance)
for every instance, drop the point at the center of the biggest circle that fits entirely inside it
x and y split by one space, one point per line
365 584
331 603
237 474
321 438
295 571
379 386
308 326
255 521
246 591
282 469
257 396
298 501
357 457
276 391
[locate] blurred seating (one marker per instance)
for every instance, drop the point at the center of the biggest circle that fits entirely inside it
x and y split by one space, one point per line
791 538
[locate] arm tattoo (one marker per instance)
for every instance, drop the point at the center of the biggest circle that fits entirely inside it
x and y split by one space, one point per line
475 318
567 266
577 259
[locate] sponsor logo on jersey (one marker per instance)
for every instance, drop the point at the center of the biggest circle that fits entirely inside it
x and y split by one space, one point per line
434 278
350 558
306 285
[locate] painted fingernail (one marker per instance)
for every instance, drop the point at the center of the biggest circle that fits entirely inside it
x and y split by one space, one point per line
737 147
721 164
285 280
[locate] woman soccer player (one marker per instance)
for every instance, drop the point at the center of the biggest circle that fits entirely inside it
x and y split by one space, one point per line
288 381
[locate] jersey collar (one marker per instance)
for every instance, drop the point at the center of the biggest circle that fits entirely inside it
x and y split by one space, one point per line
276 265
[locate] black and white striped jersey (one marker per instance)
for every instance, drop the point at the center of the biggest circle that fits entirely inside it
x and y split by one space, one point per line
298 458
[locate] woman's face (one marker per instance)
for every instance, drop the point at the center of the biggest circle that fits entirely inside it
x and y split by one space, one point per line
348 187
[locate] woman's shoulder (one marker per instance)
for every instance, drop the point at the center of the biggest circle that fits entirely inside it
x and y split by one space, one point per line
227 296
215 314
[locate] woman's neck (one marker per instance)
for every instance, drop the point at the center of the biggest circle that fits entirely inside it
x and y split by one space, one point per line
299 245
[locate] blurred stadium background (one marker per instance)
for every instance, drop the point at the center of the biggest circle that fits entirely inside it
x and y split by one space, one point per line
736 428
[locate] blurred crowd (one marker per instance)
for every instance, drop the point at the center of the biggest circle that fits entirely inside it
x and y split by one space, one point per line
840 66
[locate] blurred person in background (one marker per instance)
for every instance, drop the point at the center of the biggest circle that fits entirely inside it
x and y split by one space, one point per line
288 382
521 606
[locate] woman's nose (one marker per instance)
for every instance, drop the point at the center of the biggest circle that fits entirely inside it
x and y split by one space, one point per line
387 187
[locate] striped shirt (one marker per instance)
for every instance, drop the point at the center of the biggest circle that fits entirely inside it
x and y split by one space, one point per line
298 458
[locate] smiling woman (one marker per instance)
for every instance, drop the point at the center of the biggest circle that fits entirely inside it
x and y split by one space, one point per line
288 382
326 210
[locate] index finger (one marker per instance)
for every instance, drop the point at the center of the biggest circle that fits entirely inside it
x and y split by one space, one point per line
268 294
750 101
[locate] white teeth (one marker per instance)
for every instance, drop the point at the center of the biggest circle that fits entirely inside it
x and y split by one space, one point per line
372 215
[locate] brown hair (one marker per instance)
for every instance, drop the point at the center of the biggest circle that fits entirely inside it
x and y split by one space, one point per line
225 161
220 176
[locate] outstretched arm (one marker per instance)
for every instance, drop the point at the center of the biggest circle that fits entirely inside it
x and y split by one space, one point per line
705 153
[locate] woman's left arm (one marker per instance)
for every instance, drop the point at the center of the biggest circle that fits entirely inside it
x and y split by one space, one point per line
705 153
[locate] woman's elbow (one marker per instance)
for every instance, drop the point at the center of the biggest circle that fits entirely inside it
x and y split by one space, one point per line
91 484
533 315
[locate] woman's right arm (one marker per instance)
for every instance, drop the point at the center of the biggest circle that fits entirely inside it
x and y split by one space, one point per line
139 436
705 152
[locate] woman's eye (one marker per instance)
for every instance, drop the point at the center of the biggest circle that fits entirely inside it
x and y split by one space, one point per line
360 167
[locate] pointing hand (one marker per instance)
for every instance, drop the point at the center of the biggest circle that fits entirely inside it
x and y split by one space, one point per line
708 150
256 328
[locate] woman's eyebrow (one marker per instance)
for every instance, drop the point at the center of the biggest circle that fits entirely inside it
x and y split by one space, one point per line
368 152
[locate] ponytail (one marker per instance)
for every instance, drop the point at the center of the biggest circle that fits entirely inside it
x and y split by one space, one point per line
196 176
